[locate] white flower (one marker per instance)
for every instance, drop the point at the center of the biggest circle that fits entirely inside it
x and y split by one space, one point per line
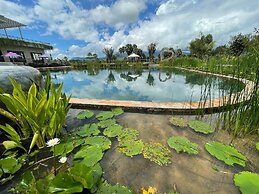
53 142
63 160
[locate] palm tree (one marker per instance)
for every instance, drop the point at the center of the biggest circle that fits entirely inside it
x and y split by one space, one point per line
108 51
151 50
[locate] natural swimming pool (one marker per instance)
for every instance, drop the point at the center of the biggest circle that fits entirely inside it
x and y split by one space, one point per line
150 84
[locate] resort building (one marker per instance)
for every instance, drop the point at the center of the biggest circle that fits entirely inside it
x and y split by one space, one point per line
18 49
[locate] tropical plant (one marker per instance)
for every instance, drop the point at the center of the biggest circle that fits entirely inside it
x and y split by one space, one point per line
108 51
247 182
151 50
39 113
238 44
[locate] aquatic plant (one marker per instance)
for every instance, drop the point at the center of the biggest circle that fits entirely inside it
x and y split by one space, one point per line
105 115
150 190
131 147
103 142
128 134
200 127
88 130
63 148
9 166
113 130
106 123
225 153
157 153
117 111
247 182
85 114
257 146
182 144
180 122
107 188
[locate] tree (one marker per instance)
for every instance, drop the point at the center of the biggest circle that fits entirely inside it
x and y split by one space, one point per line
108 51
201 47
238 44
129 49
151 51
221 50
179 53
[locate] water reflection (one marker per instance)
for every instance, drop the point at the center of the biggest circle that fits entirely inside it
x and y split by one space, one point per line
164 85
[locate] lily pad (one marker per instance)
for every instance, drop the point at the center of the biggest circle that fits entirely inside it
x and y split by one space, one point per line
101 141
85 114
247 182
63 148
131 148
157 153
106 123
113 131
64 183
128 134
117 111
257 146
182 144
90 155
104 115
106 188
180 122
201 127
226 153
9 165
88 130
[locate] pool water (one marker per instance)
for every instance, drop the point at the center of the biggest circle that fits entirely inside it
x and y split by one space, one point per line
165 85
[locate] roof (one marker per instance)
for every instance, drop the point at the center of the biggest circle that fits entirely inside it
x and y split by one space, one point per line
133 55
8 23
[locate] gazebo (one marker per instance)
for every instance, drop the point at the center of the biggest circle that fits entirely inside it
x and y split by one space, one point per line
134 57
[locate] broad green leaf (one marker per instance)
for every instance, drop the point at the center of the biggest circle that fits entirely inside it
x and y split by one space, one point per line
106 188
10 165
182 144
104 115
90 155
101 141
247 182
106 123
10 145
128 134
64 183
117 111
113 131
131 148
85 114
200 127
180 122
27 184
157 153
63 148
226 153
13 135
257 146
88 130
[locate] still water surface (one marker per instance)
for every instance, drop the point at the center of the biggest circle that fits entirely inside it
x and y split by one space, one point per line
166 85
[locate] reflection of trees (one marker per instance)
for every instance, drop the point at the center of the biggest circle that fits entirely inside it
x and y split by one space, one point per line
131 75
168 76
150 79
93 71
197 79
111 77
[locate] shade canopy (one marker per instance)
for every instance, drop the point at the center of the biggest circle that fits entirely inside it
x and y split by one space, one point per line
12 54
133 55
8 23
44 56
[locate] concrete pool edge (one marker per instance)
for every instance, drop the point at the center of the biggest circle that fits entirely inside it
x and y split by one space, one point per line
211 105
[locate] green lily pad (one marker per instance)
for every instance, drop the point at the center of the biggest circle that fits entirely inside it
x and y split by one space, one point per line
257 146
226 153
157 153
180 122
131 148
88 130
128 134
88 176
101 141
85 114
27 184
247 182
104 115
10 165
182 144
117 111
201 127
63 148
106 123
64 183
90 155
106 188
113 131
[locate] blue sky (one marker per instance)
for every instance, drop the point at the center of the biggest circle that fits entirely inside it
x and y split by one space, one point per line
77 27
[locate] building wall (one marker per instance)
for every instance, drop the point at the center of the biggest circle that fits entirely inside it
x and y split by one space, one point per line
26 50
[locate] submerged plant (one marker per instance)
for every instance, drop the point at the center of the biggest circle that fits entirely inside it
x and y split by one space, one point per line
157 153
226 153
182 144
180 122
247 182
201 127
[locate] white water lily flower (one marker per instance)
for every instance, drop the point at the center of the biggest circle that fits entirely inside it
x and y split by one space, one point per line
53 142
63 160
